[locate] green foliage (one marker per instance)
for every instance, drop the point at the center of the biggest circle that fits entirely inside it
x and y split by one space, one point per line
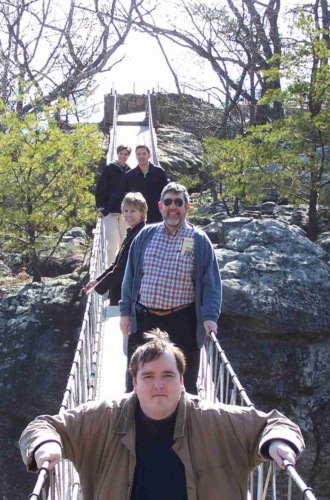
286 155
45 179
191 182
226 160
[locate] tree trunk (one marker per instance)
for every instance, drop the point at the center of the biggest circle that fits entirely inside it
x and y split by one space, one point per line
175 76
214 192
236 206
34 264
265 113
226 206
312 215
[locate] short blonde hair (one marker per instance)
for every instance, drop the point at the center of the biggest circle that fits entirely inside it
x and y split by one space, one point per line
138 201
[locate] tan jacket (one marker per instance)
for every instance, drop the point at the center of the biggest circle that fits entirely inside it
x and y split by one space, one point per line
218 444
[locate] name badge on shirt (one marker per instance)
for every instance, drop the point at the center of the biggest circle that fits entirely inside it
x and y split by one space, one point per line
187 246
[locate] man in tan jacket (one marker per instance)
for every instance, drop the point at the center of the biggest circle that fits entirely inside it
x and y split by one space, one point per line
159 443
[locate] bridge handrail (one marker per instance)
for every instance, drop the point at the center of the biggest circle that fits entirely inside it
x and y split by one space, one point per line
81 381
215 386
113 131
153 139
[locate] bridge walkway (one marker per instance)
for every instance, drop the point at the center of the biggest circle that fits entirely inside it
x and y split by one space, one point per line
112 360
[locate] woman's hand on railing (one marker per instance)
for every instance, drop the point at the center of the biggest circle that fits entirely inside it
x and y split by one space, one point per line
89 288
279 451
51 452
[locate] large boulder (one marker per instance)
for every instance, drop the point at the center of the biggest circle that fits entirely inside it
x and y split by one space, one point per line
273 274
275 326
179 152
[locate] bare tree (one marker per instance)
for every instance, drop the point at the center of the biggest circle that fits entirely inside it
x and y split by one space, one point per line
169 65
50 49
238 39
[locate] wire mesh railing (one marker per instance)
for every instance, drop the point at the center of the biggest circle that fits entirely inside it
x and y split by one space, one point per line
113 131
153 138
62 483
219 382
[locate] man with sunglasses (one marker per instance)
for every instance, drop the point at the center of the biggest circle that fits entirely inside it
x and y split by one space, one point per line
171 282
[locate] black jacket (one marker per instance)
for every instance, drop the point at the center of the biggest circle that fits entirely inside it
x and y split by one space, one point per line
112 278
150 185
109 193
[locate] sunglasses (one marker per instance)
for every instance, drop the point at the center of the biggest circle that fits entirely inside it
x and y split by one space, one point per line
178 202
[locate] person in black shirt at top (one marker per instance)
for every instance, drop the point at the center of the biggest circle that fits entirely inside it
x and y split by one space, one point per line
134 211
147 179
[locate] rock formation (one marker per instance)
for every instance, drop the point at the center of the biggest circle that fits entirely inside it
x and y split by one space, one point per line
179 152
275 326
39 328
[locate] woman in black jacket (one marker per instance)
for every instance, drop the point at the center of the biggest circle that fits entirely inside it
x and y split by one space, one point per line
134 210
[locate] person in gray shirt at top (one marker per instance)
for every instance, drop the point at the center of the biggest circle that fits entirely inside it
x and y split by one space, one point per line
108 197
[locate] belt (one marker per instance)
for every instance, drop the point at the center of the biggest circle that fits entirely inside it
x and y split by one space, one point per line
166 312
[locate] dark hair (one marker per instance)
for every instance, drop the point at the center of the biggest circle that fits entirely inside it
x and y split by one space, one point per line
136 200
121 147
175 188
139 146
158 343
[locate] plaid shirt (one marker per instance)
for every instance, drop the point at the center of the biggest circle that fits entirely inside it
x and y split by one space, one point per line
168 270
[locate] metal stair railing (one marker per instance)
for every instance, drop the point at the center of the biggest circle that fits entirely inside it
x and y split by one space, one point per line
153 138
219 382
62 483
113 131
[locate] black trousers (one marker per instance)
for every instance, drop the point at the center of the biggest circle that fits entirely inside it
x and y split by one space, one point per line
181 327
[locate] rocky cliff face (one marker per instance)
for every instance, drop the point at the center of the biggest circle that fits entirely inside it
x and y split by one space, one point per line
184 111
275 323
39 328
179 152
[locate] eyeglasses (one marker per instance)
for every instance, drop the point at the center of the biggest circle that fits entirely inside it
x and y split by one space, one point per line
178 202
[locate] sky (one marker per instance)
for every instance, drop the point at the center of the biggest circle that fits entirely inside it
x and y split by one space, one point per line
144 68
